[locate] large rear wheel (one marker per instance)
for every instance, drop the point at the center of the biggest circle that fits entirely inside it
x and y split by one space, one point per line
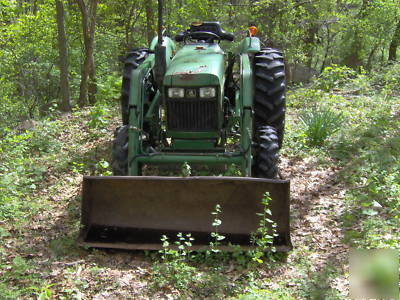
133 59
269 97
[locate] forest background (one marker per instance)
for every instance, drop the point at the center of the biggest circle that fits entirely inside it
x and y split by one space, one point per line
85 42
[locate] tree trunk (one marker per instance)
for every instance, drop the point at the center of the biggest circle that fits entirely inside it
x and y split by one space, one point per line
65 101
92 91
394 43
371 55
309 41
150 20
353 59
88 86
327 48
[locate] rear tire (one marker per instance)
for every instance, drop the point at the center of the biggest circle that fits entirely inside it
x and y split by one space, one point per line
266 153
270 85
120 152
133 59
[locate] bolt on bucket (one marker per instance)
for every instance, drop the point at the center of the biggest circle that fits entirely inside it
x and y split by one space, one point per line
133 212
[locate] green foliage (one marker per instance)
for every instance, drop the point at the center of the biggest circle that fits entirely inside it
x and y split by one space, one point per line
18 279
103 168
186 170
216 237
266 294
99 116
388 78
44 293
317 36
78 168
28 72
109 89
334 77
316 285
174 270
263 238
177 267
176 273
233 170
366 149
327 34
320 124
19 169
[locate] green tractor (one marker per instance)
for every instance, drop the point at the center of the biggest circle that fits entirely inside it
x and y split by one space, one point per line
185 106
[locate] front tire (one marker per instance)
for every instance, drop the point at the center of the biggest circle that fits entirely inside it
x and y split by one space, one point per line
265 153
120 152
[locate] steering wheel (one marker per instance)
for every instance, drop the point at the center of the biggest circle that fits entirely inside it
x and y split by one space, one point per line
200 35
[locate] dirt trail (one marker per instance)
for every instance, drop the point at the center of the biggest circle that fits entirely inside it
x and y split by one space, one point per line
316 207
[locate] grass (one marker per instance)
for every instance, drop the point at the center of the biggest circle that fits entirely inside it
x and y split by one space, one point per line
320 124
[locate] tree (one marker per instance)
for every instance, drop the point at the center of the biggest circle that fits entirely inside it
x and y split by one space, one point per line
150 20
394 43
65 103
88 86
353 58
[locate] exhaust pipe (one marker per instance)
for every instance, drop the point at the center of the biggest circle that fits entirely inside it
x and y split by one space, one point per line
160 66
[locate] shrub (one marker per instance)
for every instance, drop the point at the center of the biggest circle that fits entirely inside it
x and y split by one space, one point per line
334 76
99 116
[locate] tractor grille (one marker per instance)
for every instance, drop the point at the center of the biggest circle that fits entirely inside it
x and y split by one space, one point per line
192 114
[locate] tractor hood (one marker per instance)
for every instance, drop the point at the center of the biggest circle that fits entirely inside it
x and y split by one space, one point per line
196 65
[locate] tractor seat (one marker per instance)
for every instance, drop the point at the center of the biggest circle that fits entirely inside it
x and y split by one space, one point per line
204 31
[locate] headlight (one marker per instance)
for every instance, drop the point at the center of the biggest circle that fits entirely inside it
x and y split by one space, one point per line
208 92
176 92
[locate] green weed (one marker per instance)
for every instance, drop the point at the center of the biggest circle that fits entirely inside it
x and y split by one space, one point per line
320 124
78 167
174 269
263 238
109 88
186 170
334 76
266 294
19 168
387 78
99 117
178 269
216 237
18 279
103 168
43 293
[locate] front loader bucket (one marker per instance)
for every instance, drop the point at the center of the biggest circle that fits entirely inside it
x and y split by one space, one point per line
133 212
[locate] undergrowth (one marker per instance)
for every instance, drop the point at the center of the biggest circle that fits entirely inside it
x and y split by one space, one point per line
364 114
203 273
34 164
